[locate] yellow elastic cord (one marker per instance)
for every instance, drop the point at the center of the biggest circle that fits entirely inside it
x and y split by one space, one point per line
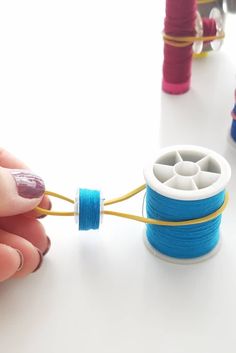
186 41
126 196
134 217
201 55
55 213
200 2
169 223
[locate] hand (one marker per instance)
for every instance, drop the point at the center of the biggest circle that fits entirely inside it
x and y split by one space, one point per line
23 240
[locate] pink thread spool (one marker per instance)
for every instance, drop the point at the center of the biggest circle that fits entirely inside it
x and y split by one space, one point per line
179 22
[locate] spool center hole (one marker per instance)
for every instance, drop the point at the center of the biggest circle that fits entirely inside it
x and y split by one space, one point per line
186 168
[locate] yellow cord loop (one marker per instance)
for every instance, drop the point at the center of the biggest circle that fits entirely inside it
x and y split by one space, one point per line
180 42
201 2
130 216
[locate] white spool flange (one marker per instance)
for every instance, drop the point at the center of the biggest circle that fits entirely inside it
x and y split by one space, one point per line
187 172
216 15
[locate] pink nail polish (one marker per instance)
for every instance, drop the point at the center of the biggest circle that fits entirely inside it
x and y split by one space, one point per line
29 185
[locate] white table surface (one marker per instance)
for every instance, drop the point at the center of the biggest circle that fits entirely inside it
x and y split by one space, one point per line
80 101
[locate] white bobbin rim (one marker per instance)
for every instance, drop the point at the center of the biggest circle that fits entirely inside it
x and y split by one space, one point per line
188 172
198 45
216 15
177 261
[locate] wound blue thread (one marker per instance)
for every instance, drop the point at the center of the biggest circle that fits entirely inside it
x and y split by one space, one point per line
233 126
233 130
183 242
89 209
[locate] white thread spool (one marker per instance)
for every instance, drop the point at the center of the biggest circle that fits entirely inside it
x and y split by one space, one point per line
187 173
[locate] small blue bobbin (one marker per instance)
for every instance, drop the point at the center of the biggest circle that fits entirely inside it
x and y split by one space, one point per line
88 209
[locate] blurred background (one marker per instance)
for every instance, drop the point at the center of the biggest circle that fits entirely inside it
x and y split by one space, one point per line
81 104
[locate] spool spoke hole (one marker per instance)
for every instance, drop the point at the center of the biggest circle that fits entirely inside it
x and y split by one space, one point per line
209 164
191 156
170 158
177 182
163 172
205 179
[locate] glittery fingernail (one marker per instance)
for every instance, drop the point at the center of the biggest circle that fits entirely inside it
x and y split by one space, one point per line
48 246
40 261
29 186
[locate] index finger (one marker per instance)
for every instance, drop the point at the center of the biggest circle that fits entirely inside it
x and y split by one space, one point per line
8 160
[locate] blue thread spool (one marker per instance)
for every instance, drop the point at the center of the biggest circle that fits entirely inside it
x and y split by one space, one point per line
185 182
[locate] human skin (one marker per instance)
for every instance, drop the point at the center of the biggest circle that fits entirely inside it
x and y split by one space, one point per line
23 240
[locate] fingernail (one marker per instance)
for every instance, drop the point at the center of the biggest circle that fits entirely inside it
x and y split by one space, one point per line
29 186
48 246
48 208
21 260
40 261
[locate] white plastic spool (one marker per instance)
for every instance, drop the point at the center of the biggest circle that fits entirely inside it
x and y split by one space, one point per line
187 172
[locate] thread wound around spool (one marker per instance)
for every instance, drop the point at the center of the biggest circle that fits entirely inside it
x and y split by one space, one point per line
187 172
175 260
100 200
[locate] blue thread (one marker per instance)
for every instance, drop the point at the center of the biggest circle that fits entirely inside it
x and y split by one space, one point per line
89 209
234 110
233 128
183 242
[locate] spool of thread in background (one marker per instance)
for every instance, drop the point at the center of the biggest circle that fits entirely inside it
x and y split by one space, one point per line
205 10
179 22
213 20
233 114
185 182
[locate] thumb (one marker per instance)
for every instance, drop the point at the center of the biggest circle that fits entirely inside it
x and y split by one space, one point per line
20 191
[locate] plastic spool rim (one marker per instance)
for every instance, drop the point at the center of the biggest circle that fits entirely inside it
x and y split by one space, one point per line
210 177
198 46
217 16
